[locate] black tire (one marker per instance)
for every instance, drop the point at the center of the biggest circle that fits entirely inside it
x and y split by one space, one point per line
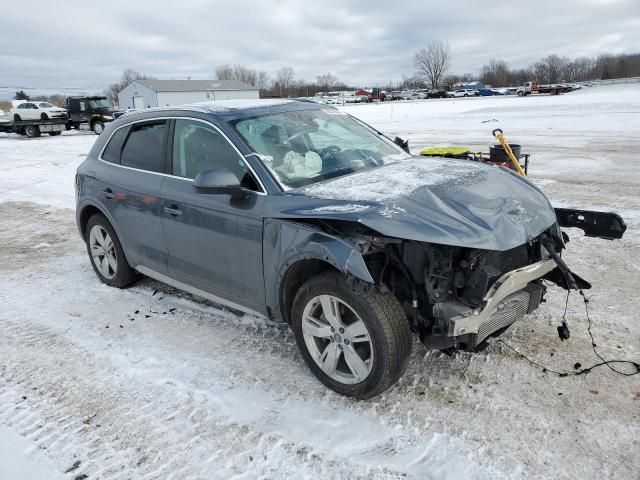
124 274
54 134
16 118
32 131
97 127
44 116
521 94
386 323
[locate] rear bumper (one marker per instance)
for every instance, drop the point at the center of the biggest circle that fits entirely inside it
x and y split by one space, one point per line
507 301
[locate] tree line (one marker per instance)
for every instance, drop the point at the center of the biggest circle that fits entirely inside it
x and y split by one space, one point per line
433 62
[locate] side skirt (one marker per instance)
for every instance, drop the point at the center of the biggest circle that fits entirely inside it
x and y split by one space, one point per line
196 291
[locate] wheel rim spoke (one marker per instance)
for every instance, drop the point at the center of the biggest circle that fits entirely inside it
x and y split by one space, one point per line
108 244
313 326
104 263
329 359
112 261
357 332
357 366
331 311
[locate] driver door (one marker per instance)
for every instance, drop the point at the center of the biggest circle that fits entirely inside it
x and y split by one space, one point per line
214 242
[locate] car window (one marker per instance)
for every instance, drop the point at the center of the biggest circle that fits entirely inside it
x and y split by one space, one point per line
114 147
82 106
145 147
308 146
198 147
22 105
45 105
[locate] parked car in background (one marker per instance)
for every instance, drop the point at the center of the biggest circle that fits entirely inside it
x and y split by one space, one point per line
284 209
437 93
499 91
462 92
31 110
484 92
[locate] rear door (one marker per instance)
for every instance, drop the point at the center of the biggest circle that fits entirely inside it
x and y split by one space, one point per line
214 242
132 171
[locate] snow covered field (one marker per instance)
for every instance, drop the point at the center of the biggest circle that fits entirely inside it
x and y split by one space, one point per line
152 383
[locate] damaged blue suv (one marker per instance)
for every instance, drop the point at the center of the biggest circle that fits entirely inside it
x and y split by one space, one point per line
296 211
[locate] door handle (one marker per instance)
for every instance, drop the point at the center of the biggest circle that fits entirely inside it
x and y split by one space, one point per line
108 193
173 210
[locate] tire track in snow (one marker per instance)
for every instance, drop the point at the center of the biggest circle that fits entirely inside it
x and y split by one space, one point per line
160 431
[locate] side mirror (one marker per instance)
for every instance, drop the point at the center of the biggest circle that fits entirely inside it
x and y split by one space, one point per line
219 181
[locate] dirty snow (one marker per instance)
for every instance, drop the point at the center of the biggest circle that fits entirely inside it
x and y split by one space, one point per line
154 385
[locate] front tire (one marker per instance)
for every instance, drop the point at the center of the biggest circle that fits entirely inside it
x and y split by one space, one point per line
106 253
16 118
353 337
44 116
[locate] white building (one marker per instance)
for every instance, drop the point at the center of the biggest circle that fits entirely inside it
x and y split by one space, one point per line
141 94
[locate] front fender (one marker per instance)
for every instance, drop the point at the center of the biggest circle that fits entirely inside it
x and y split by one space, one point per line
287 242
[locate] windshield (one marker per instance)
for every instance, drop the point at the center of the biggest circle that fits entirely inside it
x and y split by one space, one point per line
102 103
45 105
304 147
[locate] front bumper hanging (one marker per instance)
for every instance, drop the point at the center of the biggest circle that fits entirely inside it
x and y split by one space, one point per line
605 225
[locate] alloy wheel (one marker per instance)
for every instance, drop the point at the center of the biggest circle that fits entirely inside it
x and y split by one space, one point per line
337 339
103 252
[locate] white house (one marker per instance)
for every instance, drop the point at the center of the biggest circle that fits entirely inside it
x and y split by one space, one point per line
141 94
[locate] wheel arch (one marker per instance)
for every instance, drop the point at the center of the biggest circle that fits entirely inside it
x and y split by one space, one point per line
294 252
85 211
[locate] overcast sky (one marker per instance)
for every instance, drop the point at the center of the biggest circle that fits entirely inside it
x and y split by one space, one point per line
85 45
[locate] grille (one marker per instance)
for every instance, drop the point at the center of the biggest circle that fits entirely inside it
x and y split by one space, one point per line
511 309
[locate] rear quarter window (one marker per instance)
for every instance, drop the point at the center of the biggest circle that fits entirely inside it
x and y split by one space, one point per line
114 147
145 147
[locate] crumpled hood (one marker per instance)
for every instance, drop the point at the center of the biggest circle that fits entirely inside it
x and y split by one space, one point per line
437 200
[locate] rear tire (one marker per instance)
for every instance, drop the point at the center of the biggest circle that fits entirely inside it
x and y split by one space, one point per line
106 253
32 131
370 345
97 127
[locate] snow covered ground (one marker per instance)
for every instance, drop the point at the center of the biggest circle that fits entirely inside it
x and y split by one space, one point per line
152 383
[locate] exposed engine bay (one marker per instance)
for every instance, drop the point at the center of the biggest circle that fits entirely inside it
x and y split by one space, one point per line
457 297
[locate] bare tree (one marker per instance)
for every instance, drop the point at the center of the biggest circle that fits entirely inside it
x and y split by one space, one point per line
237 72
224 72
555 67
262 81
496 73
433 62
284 79
128 76
326 81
